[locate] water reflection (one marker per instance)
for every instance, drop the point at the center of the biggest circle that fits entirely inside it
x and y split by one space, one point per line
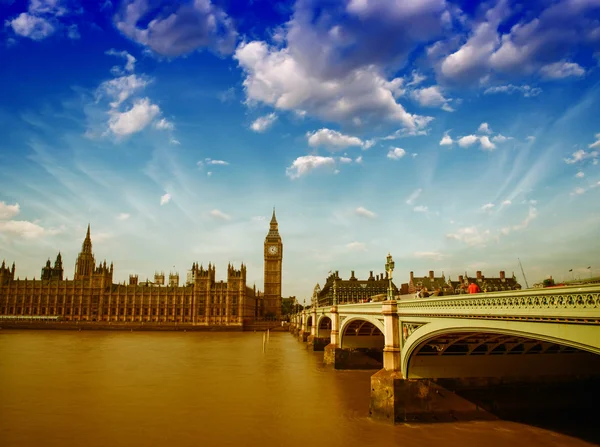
215 389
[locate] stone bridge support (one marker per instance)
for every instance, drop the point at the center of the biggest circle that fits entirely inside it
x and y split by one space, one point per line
303 333
394 398
313 342
333 347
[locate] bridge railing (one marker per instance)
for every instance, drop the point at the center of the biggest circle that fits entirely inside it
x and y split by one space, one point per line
567 303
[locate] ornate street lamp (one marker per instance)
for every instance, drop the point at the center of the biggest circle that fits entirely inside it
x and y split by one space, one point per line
389 268
335 293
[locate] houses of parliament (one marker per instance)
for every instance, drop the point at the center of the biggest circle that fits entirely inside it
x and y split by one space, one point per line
92 296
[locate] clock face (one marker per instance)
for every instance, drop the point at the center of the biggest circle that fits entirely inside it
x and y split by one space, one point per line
272 250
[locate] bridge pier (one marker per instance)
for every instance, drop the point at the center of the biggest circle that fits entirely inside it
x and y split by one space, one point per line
303 332
332 350
315 343
395 398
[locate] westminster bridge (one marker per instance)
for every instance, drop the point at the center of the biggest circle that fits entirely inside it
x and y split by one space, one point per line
484 340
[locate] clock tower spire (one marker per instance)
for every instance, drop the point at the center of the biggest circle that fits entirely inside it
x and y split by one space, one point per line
272 270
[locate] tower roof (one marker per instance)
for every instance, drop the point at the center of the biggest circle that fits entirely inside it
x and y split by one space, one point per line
87 243
273 219
273 234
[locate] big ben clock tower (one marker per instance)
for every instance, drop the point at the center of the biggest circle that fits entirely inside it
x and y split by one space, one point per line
273 258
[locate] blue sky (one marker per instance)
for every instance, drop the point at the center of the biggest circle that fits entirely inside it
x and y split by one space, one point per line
457 136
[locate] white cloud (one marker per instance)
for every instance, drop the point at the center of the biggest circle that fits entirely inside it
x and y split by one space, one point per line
133 120
484 128
416 79
73 32
420 209
263 123
580 174
486 144
209 174
9 211
396 153
507 202
53 7
471 236
125 216
578 191
468 140
431 255
361 211
31 26
130 60
533 213
178 29
488 207
538 43
432 97
526 90
163 124
356 246
595 143
174 141
500 138
562 69
305 164
358 159
217 214
332 139
414 196
446 140
165 198
345 160
530 138
26 229
276 77
581 155
216 162
121 88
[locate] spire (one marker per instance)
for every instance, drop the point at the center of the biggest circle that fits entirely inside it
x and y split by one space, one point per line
273 219
87 243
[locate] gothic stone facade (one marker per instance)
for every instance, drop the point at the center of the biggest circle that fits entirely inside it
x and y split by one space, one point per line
352 290
92 296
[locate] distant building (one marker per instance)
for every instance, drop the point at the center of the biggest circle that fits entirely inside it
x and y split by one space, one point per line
353 290
450 287
93 296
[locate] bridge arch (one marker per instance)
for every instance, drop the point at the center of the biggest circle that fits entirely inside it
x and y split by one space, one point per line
309 320
478 348
323 326
362 332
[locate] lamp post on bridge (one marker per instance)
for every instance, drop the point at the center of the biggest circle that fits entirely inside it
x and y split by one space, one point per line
389 268
335 301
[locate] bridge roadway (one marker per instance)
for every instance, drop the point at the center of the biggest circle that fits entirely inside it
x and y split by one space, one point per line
531 335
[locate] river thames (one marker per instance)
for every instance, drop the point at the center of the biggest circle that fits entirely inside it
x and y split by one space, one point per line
62 388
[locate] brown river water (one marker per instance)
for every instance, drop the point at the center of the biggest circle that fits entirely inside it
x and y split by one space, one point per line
62 388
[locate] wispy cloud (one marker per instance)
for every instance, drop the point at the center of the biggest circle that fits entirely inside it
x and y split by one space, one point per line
9 211
218 214
263 123
357 246
307 163
165 198
431 255
361 211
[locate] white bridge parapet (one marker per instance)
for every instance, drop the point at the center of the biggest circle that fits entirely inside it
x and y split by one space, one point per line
572 304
